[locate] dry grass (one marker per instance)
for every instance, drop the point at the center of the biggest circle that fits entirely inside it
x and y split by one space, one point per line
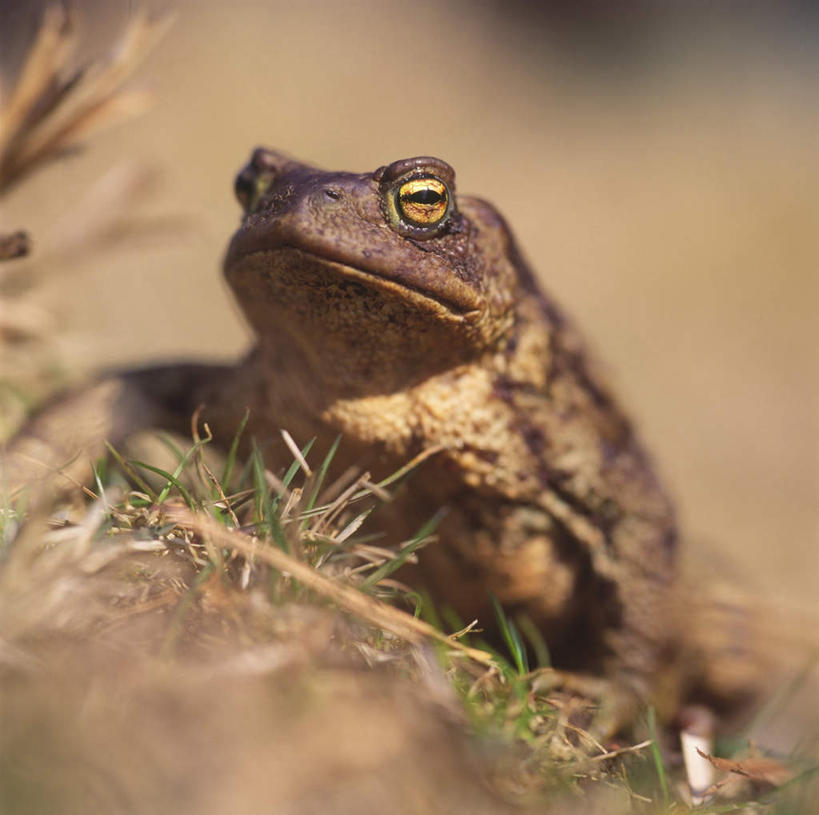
192 639
49 113
180 599
53 107
180 621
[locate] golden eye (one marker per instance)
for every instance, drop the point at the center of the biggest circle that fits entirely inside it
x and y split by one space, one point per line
422 201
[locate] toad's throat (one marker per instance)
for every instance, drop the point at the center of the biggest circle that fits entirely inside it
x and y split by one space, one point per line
461 309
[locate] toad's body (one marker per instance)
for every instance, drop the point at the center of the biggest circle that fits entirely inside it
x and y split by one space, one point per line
403 318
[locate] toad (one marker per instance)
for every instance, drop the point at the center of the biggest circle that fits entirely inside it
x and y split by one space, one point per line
395 312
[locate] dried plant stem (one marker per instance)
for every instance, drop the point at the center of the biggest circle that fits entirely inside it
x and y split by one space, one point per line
53 107
347 597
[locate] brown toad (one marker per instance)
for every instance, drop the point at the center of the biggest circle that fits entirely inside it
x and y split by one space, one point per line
403 317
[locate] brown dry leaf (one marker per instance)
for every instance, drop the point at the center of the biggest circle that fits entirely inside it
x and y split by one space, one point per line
757 769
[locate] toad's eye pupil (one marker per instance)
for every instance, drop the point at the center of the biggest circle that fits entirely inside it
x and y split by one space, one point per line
426 196
422 202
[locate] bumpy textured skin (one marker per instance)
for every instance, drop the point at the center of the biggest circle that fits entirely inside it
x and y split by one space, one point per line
404 343
448 342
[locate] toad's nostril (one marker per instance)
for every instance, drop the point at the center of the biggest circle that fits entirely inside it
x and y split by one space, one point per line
335 195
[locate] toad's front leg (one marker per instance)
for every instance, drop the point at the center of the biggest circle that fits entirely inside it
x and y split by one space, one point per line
61 442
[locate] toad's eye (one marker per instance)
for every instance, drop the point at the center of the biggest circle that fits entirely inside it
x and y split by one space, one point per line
250 186
422 201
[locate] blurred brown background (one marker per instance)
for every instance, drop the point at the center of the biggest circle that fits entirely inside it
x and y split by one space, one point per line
660 171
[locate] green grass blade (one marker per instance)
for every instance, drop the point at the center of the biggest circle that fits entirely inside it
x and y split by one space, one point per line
171 445
260 488
401 557
656 756
427 611
501 660
172 481
511 637
130 472
99 482
101 471
400 473
322 474
230 462
386 569
294 468
180 468
533 636
266 507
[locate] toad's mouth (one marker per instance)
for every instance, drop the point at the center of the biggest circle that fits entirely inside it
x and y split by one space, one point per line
453 302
